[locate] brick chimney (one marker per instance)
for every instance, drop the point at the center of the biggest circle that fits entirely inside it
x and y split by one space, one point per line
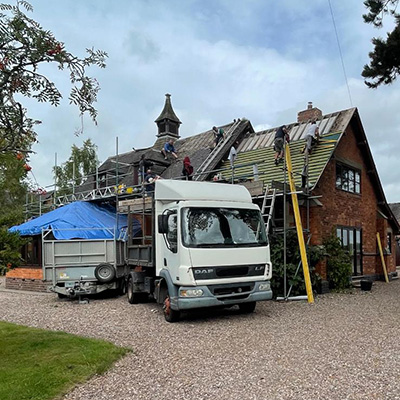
311 113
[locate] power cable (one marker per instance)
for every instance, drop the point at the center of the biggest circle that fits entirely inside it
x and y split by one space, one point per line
340 52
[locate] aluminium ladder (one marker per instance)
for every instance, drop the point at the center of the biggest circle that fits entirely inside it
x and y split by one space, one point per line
214 157
299 226
267 208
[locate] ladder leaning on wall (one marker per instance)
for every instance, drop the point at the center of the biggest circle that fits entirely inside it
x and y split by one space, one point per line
299 226
267 208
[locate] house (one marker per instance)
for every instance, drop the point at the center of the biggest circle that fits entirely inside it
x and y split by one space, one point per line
344 192
339 187
395 207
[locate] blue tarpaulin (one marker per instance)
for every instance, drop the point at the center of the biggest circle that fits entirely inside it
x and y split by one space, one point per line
78 220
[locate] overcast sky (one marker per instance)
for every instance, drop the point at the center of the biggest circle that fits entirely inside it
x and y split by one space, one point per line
220 60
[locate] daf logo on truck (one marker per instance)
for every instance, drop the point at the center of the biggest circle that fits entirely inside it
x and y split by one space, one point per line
203 271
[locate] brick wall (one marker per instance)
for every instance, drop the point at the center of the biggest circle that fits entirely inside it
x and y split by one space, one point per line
311 113
26 278
347 209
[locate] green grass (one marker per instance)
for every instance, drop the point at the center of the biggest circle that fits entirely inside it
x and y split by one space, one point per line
37 365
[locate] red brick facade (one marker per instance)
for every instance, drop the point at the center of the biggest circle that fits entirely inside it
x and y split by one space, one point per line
341 208
26 278
310 114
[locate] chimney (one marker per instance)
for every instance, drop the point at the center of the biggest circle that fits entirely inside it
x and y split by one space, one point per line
310 114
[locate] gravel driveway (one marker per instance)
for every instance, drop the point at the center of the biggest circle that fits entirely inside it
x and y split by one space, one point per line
345 346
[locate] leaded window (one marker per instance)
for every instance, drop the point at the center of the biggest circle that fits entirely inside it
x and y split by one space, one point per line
348 179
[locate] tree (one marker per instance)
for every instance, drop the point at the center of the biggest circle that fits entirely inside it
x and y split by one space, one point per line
82 162
24 46
385 59
13 188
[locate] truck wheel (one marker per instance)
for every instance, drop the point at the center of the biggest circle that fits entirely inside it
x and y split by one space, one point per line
134 297
104 273
247 308
170 315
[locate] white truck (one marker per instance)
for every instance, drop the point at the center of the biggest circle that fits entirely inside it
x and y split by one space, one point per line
202 245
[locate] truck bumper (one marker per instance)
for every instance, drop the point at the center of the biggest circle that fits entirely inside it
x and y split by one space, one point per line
76 288
209 299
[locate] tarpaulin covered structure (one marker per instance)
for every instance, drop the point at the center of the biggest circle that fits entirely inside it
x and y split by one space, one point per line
79 220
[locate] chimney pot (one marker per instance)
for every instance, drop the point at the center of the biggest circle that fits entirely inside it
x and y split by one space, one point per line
309 105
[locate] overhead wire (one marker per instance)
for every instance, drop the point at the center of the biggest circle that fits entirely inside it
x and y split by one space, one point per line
340 52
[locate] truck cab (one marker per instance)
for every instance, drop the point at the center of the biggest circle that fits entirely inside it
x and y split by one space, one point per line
208 248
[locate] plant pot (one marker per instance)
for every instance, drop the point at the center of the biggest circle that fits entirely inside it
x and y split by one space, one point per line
366 285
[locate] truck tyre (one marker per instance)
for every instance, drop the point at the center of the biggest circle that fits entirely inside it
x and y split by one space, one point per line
104 273
134 297
170 315
247 308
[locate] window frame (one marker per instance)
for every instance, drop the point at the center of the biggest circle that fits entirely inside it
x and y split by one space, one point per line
345 169
350 232
389 242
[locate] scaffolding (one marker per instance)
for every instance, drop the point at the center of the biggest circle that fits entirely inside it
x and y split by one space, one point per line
37 204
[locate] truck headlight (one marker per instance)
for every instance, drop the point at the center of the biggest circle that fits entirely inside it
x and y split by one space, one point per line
264 286
191 293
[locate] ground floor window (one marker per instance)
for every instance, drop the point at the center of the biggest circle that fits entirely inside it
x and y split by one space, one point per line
389 243
351 239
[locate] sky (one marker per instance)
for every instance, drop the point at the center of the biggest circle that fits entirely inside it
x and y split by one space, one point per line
220 60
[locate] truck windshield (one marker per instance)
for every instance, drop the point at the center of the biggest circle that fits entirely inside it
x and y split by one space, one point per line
221 227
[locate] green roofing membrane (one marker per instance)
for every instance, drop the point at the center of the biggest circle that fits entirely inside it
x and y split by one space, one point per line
268 171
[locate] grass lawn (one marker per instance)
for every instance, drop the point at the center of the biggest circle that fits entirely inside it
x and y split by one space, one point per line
36 364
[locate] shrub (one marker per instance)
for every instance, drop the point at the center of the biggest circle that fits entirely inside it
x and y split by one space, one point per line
292 261
10 250
339 263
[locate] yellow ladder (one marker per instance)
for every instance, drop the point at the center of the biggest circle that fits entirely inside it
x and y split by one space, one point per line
299 226
378 239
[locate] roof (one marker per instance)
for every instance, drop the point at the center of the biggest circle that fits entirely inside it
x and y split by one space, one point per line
395 207
268 172
168 112
198 148
83 220
257 148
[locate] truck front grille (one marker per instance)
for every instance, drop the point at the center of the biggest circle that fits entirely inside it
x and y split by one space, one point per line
232 271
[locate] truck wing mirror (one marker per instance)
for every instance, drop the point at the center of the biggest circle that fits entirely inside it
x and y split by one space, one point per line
163 223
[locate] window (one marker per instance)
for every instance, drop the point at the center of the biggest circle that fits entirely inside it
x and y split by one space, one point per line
221 227
389 243
172 128
161 127
172 235
31 252
348 179
351 241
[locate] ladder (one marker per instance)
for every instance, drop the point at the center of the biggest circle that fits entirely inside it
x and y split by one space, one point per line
299 226
267 209
215 155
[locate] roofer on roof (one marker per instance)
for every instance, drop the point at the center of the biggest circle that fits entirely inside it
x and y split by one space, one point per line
169 148
280 136
312 137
